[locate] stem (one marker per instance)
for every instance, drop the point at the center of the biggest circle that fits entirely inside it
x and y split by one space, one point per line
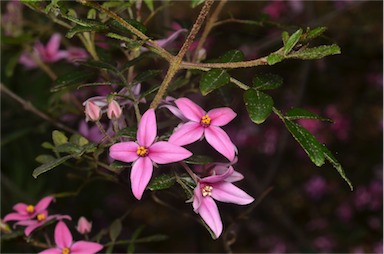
189 171
243 64
29 107
101 128
175 63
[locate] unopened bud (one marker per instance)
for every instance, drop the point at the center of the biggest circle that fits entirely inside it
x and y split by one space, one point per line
84 226
92 111
114 110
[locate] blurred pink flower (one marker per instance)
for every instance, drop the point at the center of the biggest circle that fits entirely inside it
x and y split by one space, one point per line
204 124
76 54
27 211
341 125
145 152
83 226
65 244
315 187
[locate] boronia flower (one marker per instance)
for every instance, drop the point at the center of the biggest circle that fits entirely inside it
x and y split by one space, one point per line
66 245
220 188
145 152
83 226
28 211
207 124
41 219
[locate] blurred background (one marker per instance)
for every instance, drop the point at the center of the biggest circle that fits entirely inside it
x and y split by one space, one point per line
299 207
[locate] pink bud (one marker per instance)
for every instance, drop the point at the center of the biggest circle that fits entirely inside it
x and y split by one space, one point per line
114 110
92 111
84 226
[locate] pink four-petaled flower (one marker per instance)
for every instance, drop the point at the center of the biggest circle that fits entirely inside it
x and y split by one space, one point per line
27 211
145 152
205 124
65 244
220 188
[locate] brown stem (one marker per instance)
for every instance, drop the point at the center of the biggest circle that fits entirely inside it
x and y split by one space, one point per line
243 64
175 63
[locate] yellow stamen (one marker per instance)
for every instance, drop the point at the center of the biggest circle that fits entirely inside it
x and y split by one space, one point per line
41 217
205 120
66 251
207 190
30 209
142 151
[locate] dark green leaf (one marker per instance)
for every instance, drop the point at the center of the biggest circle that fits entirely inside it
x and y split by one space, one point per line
99 65
69 148
299 113
316 32
231 56
18 40
146 75
45 158
161 182
131 63
59 138
122 29
81 29
259 105
92 23
316 52
212 80
198 159
127 132
274 58
129 43
79 140
131 246
11 64
292 41
71 79
115 229
50 165
47 145
267 81
308 142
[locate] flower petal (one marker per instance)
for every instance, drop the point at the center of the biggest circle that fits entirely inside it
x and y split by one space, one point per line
63 237
51 251
124 151
164 152
28 230
219 140
53 43
16 216
190 110
43 204
164 42
229 193
21 208
141 173
82 247
221 116
187 134
219 177
197 197
210 214
147 131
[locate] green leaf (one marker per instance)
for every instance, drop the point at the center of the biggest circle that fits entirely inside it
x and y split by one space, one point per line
127 132
78 140
198 159
316 52
129 43
17 40
71 79
11 64
115 229
212 80
69 148
284 37
196 3
131 246
308 142
81 29
146 75
313 33
99 65
292 41
267 81
59 138
50 165
149 4
259 105
299 113
44 158
231 56
47 145
274 58
123 30
161 182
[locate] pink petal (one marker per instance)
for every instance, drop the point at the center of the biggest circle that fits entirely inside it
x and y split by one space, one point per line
164 152
210 214
16 216
63 237
222 168
28 230
21 208
197 197
82 247
26 60
190 110
53 44
176 111
229 193
163 42
220 177
147 131
141 173
51 251
219 140
124 151
187 134
43 204
221 116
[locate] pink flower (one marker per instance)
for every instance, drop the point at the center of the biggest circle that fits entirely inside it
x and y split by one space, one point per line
76 54
114 110
145 151
92 111
41 219
65 244
166 41
206 124
219 188
27 211
84 226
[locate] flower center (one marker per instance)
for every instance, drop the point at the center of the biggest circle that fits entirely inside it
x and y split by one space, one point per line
66 251
41 217
142 151
206 190
205 121
30 209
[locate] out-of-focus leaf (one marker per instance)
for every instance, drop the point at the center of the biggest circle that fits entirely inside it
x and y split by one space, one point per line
316 52
292 41
161 182
259 105
45 158
231 56
59 138
212 80
285 37
99 65
128 43
71 79
299 113
195 3
78 140
131 246
123 30
198 159
274 58
267 81
50 165
115 229
68 148
149 4
11 64
47 145
313 33
17 40
145 75
81 29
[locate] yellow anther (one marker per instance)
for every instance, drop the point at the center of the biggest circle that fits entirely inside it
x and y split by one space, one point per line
41 217
30 209
142 151
207 190
66 251
205 120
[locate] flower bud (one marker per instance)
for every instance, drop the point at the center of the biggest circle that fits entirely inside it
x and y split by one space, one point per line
84 226
114 110
92 111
